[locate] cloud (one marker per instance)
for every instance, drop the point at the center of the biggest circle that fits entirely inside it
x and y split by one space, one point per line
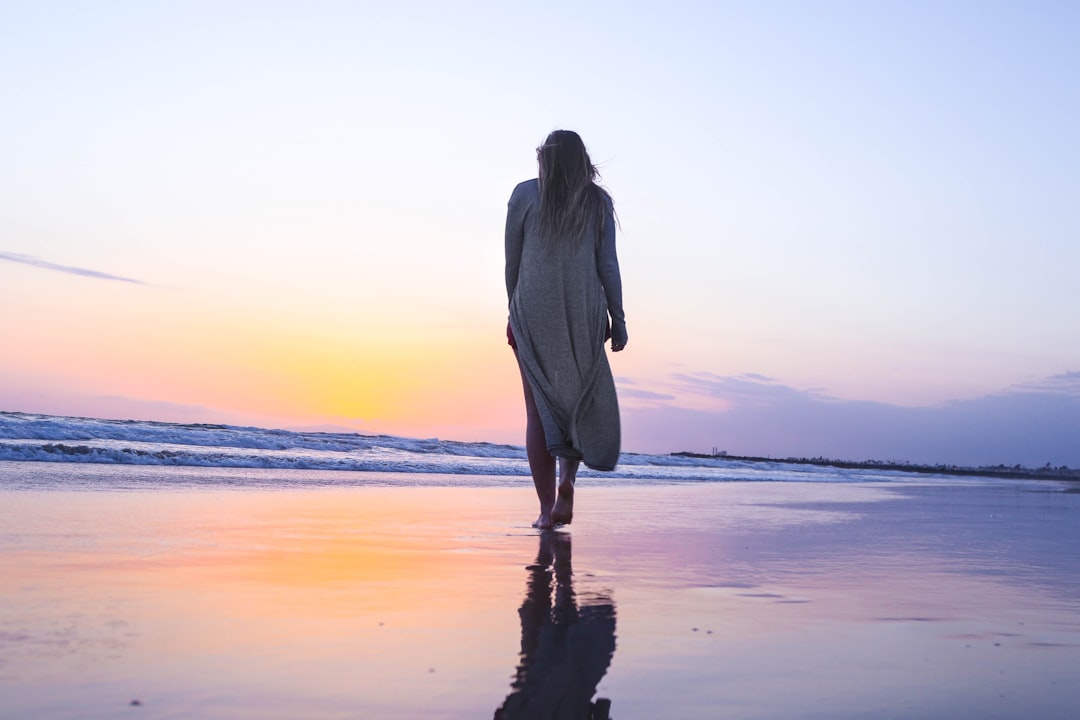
1065 383
648 395
31 260
1022 425
748 387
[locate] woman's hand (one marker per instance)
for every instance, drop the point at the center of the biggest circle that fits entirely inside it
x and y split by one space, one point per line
618 335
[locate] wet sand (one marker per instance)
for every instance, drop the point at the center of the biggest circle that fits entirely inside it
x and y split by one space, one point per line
740 600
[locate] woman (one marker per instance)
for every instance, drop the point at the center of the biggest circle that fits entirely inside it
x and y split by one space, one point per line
562 280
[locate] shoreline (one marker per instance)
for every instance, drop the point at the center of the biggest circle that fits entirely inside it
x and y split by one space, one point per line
48 438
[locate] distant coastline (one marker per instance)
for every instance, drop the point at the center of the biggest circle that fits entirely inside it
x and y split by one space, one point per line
1046 472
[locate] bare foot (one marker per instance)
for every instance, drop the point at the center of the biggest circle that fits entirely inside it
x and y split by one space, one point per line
562 512
543 522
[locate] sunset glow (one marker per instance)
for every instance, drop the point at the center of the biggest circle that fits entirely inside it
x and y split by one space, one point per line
293 216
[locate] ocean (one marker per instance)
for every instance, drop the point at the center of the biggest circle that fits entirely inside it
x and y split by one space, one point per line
205 454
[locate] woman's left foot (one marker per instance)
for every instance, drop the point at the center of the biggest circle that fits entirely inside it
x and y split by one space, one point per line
562 512
543 522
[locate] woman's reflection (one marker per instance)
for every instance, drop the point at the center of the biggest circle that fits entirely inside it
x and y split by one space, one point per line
565 647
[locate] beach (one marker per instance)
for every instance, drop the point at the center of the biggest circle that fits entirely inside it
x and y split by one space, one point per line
939 598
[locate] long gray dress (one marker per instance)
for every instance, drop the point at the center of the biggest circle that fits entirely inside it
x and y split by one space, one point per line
560 299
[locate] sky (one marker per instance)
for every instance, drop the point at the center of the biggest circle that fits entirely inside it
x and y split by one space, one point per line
848 229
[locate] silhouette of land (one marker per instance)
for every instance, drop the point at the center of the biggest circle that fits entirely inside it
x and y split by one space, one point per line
1047 472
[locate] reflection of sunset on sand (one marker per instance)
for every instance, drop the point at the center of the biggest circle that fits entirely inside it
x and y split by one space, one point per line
844 601
566 645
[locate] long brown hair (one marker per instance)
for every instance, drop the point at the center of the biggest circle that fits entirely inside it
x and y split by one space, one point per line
569 195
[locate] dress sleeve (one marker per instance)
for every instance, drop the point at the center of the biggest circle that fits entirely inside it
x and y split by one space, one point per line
515 236
607 264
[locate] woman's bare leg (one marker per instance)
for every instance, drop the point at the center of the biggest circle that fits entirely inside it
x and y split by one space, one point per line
541 462
562 513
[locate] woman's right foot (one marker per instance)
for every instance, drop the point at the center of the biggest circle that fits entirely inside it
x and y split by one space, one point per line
562 513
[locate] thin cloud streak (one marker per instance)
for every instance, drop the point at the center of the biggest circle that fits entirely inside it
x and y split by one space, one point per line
644 394
1064 384
84 272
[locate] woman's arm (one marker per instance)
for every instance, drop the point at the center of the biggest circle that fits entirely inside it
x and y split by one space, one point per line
607 265
515 236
